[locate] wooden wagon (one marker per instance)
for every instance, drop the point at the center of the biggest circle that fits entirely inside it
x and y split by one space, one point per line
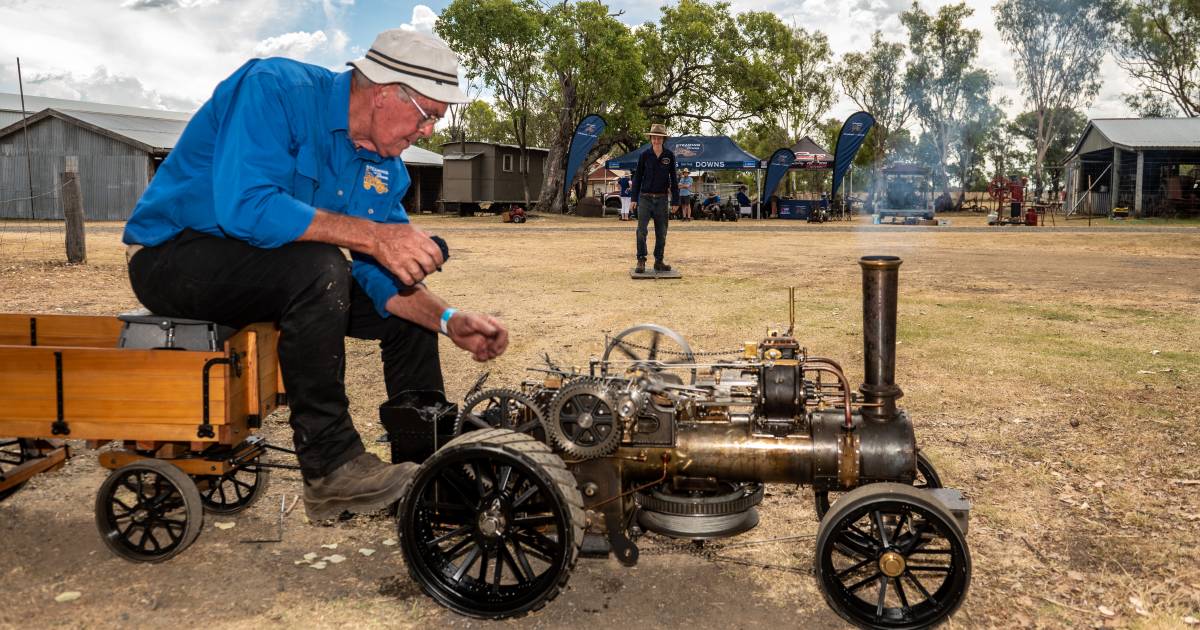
180 420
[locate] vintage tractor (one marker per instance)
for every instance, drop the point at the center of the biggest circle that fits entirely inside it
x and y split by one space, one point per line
649 438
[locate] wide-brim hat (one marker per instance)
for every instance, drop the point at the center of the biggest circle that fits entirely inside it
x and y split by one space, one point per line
659 130
420 61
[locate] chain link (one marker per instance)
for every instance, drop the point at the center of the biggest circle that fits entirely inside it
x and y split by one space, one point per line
711 553
608 341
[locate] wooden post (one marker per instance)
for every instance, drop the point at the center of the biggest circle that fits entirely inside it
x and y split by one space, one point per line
73 217
1137 186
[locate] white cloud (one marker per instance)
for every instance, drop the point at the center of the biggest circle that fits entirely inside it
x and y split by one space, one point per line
296 45
423 19
165 4
101 86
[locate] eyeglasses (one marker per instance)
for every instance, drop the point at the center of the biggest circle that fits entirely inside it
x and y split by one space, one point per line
428 120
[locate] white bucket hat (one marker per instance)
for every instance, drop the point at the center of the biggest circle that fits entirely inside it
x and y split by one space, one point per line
422 62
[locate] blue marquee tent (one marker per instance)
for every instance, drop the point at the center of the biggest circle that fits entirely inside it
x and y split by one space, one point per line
706 153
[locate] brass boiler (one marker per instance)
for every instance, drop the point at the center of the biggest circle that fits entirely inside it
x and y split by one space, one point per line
839 450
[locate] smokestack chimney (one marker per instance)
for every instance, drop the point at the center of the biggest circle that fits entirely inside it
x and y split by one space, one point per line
879 390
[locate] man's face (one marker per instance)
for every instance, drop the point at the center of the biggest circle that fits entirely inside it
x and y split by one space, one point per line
398 122
656 141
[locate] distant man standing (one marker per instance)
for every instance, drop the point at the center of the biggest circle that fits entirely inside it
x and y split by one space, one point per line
623 194
654 182
685 194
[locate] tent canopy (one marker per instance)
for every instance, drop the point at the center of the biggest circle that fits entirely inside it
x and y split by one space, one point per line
696 152
811 156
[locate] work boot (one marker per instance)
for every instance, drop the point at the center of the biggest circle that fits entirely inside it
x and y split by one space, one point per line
661 266
641 266
361 485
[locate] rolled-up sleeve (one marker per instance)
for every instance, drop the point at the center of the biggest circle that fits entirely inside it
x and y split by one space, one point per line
377 282
254 165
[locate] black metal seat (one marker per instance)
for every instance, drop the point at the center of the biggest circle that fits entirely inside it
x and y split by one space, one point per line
145 330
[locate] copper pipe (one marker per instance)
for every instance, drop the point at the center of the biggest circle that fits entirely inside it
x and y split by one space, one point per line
825 365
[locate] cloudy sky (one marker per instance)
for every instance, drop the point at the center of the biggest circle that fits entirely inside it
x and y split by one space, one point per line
170 53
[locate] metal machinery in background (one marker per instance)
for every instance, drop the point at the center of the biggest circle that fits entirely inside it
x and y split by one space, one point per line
652 439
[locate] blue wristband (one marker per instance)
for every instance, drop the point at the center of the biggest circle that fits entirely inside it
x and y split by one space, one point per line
446 315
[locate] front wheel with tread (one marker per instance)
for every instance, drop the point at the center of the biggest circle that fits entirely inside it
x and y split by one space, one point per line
492 525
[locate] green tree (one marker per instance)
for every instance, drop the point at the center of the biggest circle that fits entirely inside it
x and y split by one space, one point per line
1151 105
1025 126
1057 46
980 120
874 80
595 66
481 123
500 43
940 77
1158 44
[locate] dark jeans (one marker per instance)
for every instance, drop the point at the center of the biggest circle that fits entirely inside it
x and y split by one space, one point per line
652 207
308 290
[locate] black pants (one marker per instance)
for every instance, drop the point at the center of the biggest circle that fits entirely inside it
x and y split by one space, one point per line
307 288
652 207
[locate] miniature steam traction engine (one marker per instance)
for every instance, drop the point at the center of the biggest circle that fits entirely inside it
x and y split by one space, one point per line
651 439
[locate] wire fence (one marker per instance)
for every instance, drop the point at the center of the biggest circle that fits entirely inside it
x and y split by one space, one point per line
32 230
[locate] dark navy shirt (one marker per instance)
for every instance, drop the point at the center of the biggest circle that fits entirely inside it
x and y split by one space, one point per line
261 155
742 199
623 184
656 174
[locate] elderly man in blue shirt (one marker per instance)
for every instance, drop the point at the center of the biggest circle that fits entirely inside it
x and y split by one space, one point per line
244 221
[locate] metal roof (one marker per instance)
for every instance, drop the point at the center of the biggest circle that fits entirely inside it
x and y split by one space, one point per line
461 156
34 104
416 156
1144 133
155 132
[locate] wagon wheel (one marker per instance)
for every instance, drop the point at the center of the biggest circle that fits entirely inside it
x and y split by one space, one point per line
890 556
12 452
235 490
493 524
148 511
650 344
927 477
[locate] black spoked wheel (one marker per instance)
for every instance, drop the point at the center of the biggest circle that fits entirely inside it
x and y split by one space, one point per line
148 511
890 556
492 525
12 452
235 490
927 477
501 408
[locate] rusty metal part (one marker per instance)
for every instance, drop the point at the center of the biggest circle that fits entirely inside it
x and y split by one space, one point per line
880 278
848 457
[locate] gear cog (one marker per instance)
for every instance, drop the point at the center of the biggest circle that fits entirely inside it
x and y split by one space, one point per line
501 408
582 421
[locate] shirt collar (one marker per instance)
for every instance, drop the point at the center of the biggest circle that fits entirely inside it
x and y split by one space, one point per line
339 102
339 115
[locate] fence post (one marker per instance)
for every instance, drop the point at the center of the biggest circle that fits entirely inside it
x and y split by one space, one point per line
73 217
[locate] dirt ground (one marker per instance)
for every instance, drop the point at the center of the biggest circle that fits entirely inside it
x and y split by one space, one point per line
1052 375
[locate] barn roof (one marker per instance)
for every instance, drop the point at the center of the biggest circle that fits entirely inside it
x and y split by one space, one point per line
1138 134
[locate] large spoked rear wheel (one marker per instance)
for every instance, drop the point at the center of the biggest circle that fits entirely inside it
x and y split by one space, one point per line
927 477
492 525
890 556
148 511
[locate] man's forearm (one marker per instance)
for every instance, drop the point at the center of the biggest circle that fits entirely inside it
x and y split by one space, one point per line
419 306
341 230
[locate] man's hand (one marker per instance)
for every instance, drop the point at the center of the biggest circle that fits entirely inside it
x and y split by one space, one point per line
484 336
675 208
406 251
633 205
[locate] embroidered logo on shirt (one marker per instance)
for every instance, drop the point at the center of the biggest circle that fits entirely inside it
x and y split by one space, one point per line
376 178
666 161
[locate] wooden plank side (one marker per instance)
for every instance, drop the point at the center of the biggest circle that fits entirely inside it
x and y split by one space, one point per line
240 397
110 385
108 430
268 368
85 331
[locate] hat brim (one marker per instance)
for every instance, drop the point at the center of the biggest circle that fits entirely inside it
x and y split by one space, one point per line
436 90
661 135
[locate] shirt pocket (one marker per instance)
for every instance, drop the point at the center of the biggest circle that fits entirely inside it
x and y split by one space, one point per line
308 174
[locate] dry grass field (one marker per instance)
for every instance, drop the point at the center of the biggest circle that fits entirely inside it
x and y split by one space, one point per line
1052 374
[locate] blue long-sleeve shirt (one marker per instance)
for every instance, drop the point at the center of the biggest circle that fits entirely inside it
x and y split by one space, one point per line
261 155
656 174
